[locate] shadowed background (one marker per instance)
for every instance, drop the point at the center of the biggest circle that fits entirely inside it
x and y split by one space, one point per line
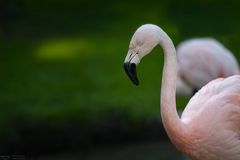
63 88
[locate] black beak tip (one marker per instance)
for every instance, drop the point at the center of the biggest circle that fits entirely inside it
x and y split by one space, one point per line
130 69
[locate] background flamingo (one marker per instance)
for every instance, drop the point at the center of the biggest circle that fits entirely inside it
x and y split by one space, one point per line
214 137
201 60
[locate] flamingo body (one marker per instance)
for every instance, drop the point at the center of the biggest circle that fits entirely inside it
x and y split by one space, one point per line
201 60
213 119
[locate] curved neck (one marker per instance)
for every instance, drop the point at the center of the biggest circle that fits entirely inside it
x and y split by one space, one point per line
171 121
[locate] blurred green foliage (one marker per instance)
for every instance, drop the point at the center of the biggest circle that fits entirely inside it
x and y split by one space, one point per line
62 61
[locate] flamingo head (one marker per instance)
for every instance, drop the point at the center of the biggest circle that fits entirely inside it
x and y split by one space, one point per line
143 41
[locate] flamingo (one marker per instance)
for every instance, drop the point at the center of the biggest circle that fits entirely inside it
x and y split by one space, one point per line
209 128
201 60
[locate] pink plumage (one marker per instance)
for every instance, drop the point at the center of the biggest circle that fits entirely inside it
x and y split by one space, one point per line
212 117
201 60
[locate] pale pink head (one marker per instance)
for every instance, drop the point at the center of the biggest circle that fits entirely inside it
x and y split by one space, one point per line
143 41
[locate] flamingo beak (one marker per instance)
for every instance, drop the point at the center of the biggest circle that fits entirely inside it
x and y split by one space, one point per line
130 64
130 69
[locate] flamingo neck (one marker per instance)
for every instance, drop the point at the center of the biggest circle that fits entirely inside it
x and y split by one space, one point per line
171 121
